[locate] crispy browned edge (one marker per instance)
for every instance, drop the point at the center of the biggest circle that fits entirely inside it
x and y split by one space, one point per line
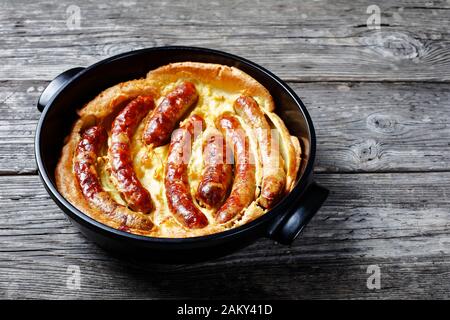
220 76
106 103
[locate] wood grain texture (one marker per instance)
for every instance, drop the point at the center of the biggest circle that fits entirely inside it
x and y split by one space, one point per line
298 40
380 101
404 230
361 127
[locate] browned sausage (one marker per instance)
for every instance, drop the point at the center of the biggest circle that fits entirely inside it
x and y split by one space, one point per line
164 119
86 174
178 193
274 176
243 190
124 177
217 172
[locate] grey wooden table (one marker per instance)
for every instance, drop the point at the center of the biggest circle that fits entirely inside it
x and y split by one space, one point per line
380 100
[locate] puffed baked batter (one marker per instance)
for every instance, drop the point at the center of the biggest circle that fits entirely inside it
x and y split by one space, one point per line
218 88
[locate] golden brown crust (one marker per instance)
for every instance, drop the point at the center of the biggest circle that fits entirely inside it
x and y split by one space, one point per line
107 101
96 111
298 160
220 76
219 86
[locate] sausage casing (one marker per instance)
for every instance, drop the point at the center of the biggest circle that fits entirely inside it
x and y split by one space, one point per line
124 176
243 190
274 176
176 182
165 117
86 174
217 172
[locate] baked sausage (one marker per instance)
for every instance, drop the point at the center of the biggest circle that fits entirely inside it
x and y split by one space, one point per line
163 120
273 174
217 172
86 175
122 172
243 190
176 182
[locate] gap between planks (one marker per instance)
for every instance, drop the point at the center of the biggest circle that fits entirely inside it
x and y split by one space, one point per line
35 173
288 80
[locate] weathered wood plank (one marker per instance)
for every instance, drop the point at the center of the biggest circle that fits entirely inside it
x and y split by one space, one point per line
380 127
360 126
404 230
298 40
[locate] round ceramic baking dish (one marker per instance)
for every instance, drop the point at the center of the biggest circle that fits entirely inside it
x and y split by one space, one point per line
75 87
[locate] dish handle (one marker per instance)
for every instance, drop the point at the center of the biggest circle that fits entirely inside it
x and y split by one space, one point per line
288 226
53 87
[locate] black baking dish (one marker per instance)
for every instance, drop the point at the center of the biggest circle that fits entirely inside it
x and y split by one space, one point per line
73 88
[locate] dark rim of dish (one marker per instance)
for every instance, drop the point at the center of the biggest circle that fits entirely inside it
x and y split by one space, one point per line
288 199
